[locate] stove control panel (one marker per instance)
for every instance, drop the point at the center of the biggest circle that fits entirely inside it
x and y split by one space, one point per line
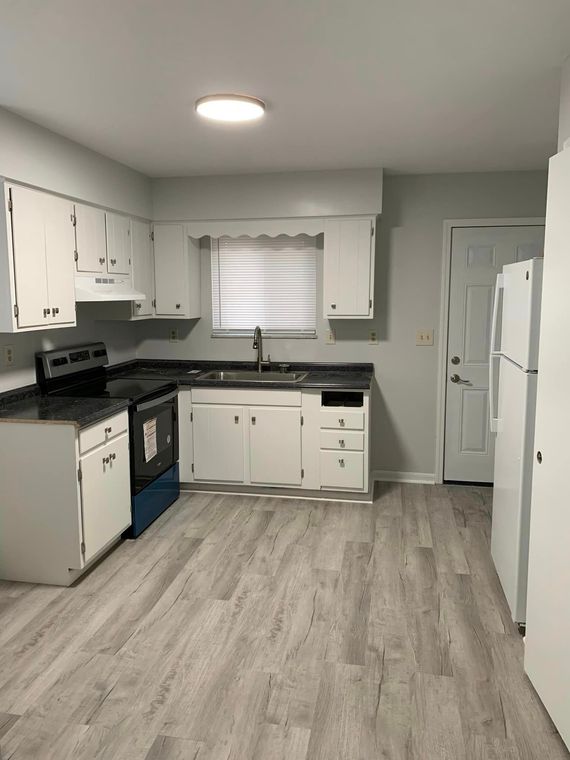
62 362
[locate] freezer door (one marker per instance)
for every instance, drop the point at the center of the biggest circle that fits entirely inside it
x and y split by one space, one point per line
513 482
522 293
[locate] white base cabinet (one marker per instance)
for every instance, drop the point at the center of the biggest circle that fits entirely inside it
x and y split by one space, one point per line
72 503
273 438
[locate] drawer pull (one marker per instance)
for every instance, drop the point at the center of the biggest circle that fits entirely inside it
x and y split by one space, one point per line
112 457
108 430
106 460
236 419
333 305
341 421
341 462
177 305
341 443
253 420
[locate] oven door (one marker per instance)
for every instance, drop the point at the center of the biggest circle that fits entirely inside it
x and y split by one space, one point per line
154 438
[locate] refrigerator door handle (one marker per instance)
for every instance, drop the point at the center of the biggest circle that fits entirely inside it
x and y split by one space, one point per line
500 285
493 421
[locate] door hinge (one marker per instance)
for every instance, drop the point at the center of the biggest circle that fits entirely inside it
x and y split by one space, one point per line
152 235
370 303
75 256
79 474
191 416
83 547
129 261
302 473
192 466
302 420
16 310
10 205
154 302
73 219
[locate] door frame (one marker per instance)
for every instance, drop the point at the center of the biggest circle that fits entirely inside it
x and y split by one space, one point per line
448 226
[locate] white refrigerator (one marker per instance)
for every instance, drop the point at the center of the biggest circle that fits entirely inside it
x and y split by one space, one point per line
513 368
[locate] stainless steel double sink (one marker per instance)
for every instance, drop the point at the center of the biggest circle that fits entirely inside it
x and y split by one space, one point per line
252 376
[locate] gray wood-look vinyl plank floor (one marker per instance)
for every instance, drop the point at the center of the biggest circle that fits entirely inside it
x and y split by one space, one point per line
251 628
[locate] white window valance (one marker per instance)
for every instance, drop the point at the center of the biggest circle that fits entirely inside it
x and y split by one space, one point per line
236 228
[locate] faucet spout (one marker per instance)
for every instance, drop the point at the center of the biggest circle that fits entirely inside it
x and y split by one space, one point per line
258 346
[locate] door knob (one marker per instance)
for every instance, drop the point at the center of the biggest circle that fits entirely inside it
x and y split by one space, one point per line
459 380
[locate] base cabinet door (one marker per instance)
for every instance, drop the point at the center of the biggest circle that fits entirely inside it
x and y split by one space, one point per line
275 446
105 494
217 433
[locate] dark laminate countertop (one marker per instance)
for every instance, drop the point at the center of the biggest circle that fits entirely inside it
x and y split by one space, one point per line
80 412
353 376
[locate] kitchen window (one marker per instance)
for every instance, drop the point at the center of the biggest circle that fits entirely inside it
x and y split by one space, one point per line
265 281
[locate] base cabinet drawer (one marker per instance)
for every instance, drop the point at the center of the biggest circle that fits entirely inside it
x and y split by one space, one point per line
102 432
342 469
341 419
349 440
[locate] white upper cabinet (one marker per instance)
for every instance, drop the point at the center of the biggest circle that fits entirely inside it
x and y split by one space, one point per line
176 272
348 280
38 268
118 243
143 267
90 239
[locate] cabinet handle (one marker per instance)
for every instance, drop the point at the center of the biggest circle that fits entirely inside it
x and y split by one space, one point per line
341 462
55 310
139 305
177 305
341 443
112 457
253 420
101 260
108 430
341 421
45 313
106 460
48 311
333 305
236 419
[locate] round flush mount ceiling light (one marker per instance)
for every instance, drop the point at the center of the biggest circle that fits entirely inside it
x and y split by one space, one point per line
229 107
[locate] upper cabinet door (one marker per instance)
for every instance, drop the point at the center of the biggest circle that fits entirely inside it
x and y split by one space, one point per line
171 270
143 269
30 267
60 244
118 244
90 243
348 268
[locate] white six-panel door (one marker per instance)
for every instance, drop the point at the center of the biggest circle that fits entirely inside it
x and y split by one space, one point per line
478 254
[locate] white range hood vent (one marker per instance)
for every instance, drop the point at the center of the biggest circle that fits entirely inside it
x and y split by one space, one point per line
106 288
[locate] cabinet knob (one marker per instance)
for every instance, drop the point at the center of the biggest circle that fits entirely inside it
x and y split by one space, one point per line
236 419
341 462
333 305
112 457
341 443
55 310
253 420
45 313
106 460
177 305
139 305
101 260
108 430
539 457
341 421
48 311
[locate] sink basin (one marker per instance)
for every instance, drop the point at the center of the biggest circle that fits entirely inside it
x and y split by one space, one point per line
251 376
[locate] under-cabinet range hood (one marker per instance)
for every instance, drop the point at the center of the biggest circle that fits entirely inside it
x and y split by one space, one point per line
106 288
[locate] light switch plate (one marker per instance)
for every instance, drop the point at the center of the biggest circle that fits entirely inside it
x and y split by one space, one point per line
330 338
373 338
173 335
424 337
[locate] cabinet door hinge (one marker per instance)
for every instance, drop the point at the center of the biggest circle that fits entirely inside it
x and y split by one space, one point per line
302 473
192 466
370 303
75 256
16 310
302 420
79 474
191 416
152 236
73 220
10 205
83 547
372 231
154 302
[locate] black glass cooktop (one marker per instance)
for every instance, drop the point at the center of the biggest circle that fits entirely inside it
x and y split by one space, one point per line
129 388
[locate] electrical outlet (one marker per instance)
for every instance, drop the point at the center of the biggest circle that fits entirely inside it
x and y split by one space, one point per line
8 356
330 338
424 338
373 338
173 335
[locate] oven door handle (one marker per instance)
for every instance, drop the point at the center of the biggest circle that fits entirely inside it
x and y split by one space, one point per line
156 401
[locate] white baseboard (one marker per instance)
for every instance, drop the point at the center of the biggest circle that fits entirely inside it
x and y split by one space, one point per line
391 476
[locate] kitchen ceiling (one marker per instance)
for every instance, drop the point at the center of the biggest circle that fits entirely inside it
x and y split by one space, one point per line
416 86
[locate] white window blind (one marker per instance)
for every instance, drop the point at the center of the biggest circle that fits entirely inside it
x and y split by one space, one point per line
265 281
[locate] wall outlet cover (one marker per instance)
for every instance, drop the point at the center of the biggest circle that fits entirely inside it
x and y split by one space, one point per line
8 356
330 338
373 338
424 337
173 335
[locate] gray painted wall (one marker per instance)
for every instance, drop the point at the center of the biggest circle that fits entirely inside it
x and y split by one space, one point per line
36 156
408 280
564 117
